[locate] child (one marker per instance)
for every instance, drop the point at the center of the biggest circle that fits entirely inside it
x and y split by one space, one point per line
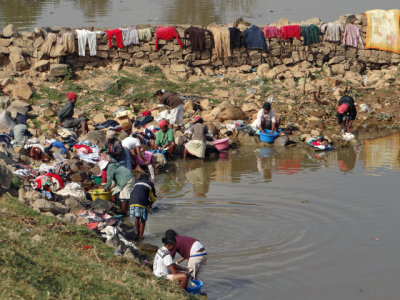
164 266
142 198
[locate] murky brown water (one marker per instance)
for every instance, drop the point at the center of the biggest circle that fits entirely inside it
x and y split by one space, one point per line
28 14
295 224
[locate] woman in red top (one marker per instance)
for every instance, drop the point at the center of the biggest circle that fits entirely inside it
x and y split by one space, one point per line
189 248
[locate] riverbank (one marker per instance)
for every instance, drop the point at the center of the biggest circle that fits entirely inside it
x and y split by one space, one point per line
42 257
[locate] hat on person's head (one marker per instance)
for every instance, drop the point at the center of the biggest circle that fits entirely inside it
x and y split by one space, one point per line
197 119
71 95
163 123
111 134
343 108
266 106
159 92
103 164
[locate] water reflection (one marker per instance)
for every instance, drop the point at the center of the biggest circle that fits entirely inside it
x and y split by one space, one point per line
93 8
204 12
261 165
383 153
16 12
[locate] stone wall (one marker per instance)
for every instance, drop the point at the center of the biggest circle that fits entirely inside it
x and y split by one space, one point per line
22 51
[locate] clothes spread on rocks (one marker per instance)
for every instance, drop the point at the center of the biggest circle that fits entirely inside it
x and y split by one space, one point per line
333 32
235 37
145 34
130 36
84 37
118 37
167 33
222 42
290 31
351 36
310 34
271 32
255 38
197 37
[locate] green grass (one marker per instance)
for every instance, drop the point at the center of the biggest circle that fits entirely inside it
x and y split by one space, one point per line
43 258
52 94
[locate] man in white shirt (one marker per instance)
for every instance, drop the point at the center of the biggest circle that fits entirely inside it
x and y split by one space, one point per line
266 118
164 266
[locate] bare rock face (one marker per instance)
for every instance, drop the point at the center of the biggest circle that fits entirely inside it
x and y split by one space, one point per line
227 111
58 70
99 118
17 60
6 176
22 90
41 66
9 31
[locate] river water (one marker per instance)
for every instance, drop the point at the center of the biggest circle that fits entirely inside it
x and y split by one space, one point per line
28 14
291 224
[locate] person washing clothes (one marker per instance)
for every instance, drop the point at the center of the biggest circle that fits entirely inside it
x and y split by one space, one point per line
123 180
134 150
113 146
346 113
141 200
189 248
175 104
164 266
165 138
65 115
266 119
197 144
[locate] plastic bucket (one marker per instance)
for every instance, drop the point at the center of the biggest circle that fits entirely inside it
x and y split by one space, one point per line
221 144
195 290
101 194
268 137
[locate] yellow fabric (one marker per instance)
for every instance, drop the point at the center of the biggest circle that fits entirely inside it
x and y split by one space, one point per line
222 42
138 205
383 30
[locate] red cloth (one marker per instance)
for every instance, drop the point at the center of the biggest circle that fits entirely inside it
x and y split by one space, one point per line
271 32
118 37
71 96
56 177
83 146
146 113
290 31
167 33
183 246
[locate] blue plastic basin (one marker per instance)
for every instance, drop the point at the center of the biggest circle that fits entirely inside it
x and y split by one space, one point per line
195 290
268 137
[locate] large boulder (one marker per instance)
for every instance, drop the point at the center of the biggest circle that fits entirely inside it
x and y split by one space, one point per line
41 66
18 61
227 111
58 70
6 176
22 90
9 31
97 137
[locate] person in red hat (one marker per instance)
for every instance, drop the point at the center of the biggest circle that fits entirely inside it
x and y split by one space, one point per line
165 138
346 113
65 115
197 144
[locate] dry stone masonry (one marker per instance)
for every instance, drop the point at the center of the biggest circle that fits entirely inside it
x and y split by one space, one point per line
22 52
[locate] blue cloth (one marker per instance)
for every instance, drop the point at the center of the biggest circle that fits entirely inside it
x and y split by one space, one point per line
255 38
126 160
58 145
106 124
138 212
